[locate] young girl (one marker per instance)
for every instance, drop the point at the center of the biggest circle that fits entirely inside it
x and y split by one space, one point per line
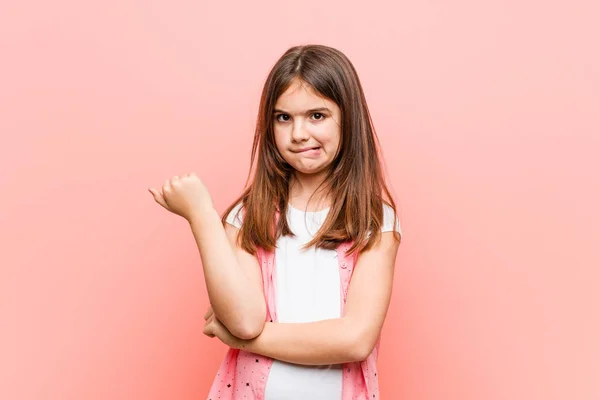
299 269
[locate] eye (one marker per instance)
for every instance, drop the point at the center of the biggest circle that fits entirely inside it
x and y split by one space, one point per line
282 117
318 116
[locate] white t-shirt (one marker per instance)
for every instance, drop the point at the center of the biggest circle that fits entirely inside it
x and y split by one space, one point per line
308 290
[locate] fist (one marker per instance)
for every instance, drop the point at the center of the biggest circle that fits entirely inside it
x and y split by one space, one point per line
183 195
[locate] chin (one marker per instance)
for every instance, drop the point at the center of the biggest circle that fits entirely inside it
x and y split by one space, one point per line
310 171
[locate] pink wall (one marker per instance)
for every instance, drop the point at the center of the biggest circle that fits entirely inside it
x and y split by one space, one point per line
488 115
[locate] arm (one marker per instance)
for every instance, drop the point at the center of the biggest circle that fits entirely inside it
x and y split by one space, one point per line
232 276
341 340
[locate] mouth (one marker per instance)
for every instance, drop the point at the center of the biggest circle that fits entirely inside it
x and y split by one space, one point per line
306 149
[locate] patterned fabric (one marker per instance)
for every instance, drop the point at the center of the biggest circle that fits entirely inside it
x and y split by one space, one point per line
243 375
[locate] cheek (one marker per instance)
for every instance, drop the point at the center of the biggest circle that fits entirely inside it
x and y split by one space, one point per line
329 138
281 143
279 136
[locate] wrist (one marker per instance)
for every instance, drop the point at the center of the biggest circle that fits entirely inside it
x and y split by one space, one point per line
201 214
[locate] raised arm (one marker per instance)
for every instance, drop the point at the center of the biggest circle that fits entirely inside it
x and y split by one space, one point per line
233 278
347 339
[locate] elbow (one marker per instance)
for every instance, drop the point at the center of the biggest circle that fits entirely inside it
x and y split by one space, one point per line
245 324
360 353
248 330
250 326
361 347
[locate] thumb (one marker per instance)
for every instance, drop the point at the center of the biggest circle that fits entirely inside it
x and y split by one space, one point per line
158 197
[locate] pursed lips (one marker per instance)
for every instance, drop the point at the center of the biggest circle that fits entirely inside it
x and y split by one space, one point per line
306 149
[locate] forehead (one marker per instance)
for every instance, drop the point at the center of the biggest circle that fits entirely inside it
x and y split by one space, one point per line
300 96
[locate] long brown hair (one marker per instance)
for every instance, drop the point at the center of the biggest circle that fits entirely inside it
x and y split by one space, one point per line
355 181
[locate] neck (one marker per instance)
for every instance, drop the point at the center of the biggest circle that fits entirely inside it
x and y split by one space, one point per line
308 187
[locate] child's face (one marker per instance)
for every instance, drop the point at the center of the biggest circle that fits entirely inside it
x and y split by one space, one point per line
307 128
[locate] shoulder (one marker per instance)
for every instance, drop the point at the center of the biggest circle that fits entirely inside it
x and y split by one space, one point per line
235 216
391 222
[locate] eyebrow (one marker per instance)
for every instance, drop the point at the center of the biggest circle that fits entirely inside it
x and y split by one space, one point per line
312 110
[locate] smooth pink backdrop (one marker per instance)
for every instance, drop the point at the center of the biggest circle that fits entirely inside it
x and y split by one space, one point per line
488 113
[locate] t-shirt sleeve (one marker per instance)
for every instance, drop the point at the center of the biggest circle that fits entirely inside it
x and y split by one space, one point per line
235 217
391 222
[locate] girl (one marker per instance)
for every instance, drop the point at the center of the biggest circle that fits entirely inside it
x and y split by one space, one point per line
299 269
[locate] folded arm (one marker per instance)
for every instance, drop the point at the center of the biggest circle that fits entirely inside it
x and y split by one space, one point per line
349 338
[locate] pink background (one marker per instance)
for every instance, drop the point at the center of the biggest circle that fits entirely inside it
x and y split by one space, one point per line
488 113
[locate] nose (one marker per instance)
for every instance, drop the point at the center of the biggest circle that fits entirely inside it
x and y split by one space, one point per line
299 133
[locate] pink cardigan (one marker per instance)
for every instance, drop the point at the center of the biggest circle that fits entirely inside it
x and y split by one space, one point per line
243 375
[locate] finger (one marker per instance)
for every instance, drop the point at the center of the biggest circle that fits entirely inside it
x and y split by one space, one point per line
208 330
158 197
208 313
166 188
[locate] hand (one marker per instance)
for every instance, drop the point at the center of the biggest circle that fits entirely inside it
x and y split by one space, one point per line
184 196
213 327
